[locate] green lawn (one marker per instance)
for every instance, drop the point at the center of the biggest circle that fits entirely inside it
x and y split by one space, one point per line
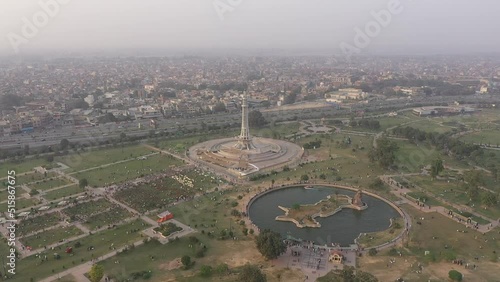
428 200
438 234
51 236
84 210
49 184
37 223
21 166
411 157
431 125
373 239
32 177
33 267
491 137
107 218
100 157
163 192
129 170
387 122
21 203
161 254
453 192
63 192
277 131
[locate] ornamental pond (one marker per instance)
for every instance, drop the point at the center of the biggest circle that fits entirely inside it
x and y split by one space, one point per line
341 228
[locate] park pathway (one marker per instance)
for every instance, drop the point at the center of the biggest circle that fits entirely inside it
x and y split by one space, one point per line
110 164
401 192
187 160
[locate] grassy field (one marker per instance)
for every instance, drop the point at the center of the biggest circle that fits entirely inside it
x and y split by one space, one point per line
32 177
21 203
431 125
23 166
209 214
100 157
453 192
129 170
423 197
107 218
445 240
157 259
387 122
40 222
50 236
49 184
33 267
411 157
348 164
491 137
84 210
369 240
63 192
277 131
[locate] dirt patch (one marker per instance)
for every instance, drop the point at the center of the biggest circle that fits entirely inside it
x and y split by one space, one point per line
173 264
240 253
440 271
383 269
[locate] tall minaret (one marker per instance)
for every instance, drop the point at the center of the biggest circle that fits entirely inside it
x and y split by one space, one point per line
245 141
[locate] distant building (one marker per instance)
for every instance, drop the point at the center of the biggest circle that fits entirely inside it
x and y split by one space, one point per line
441 111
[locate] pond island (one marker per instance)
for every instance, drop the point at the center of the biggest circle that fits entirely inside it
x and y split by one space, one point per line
304 215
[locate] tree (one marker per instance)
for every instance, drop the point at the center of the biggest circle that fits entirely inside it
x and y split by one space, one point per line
384 153
186 261
206 271
222 269
219 107
436 167
251 273
83 183
64 144
270 244
96 273
455 275
256 119
123 136
348 274
304 177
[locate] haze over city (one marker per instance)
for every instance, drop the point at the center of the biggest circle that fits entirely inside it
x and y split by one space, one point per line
422 27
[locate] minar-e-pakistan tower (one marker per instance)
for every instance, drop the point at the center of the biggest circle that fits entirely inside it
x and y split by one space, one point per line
241 156
244 140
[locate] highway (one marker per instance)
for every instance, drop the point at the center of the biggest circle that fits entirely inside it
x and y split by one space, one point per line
113 130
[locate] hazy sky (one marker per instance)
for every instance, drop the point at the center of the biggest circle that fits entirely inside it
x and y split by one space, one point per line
423 26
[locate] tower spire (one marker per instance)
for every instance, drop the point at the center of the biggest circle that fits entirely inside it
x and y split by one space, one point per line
245 141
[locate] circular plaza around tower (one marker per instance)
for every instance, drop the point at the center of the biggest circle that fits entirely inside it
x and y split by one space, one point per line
224 155
245 155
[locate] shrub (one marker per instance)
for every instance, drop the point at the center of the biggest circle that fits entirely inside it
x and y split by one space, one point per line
205 271
455 275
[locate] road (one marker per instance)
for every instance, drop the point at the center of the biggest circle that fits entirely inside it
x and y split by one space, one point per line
112 130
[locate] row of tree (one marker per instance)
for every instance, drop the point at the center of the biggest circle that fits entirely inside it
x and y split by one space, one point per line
444 142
